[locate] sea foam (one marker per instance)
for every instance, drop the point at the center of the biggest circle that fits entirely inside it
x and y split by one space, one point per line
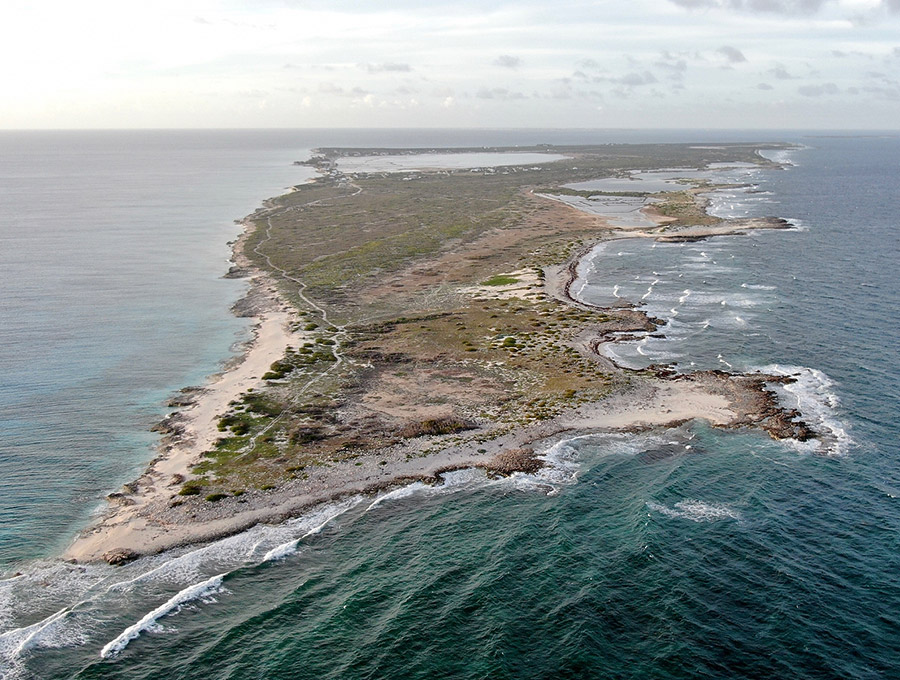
696 511
201 590
814 394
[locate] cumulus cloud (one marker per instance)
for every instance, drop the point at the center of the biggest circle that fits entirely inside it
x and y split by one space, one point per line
673 65
780 72
818 90
891 93
393 67
633 79
500 93
732 54
507 61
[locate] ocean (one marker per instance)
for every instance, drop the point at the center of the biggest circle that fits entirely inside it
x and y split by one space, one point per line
684 553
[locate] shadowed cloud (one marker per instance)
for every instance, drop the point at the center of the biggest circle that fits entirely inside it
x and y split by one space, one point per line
732 54
507 61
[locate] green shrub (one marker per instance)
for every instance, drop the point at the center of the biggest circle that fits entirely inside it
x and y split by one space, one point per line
191 488
435 426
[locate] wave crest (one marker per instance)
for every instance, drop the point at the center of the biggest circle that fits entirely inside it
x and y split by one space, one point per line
696 511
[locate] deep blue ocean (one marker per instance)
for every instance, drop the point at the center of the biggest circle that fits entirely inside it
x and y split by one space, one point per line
683 553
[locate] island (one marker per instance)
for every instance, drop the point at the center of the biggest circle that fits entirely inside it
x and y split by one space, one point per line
413 318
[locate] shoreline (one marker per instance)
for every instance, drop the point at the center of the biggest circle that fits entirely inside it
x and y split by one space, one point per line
192 428
149 517
126 531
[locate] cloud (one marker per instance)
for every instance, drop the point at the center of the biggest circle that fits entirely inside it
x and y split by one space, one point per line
633 79
507 61
672 64
891 93
732 54
790 7
764 86
637 79
500 93
392 67
778 6
773 6
780 72
818 90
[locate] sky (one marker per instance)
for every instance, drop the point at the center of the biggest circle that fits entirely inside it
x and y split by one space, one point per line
770 64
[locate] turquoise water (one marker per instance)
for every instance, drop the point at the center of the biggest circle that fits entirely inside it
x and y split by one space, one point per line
687 553
113 248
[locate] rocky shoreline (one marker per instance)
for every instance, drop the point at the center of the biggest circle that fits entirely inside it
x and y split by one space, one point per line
760 405
149 515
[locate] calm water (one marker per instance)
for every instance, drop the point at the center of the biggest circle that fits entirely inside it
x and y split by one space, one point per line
690 553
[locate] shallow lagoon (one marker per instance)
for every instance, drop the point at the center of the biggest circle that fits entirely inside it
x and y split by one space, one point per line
442 161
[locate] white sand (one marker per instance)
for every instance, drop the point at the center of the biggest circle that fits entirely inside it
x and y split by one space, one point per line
657 403
123 527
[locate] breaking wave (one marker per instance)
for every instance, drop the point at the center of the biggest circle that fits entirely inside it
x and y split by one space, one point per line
813 395
696 511
202 590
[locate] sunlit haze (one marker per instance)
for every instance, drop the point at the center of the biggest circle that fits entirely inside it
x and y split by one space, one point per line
295 63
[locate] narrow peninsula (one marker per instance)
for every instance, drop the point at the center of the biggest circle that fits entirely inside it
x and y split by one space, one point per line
413 319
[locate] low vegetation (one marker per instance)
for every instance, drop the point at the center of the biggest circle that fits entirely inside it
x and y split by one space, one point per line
403 355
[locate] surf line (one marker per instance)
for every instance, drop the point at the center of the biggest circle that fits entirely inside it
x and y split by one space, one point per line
194 592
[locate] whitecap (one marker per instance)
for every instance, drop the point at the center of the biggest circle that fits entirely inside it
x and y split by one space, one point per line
319 521
696 511
397 494
197 591
813 395
14 642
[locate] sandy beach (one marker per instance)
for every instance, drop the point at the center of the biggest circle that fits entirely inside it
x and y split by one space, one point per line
191 431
